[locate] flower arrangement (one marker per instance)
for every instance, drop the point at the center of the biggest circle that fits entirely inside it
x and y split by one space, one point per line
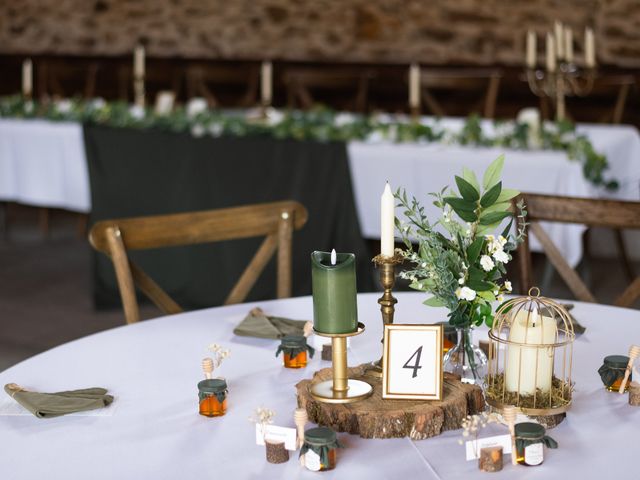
219 354
462 271
320 124
461 262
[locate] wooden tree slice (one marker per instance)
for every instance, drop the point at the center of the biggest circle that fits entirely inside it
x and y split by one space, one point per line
378 418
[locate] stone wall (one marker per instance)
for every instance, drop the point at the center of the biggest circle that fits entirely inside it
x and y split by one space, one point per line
378 31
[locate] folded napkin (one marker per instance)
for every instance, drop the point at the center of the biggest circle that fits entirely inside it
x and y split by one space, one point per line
47 405
258 324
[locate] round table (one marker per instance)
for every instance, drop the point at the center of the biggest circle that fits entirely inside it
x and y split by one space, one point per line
154 430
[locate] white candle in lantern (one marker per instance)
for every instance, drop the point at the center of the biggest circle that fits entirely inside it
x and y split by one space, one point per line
559 39
414 86
568 44
531 49
27 77
138 61
589 48
266 83
387 218
551 54
530 368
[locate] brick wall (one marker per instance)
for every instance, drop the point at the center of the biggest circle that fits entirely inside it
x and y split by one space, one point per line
433 32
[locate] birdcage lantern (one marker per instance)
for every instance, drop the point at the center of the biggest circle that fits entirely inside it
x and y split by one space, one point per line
531 356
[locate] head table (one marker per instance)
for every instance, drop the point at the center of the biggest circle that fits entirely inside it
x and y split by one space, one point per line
153 430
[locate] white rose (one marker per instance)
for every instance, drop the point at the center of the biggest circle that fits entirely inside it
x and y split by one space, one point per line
137 112
343 119
97 103
501 256
461 281
215 129
196 106
64 106
486 263
197 130
465 293
507 286
274 117
375 136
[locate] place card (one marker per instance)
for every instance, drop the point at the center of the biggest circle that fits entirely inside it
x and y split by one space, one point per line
277 434
473 447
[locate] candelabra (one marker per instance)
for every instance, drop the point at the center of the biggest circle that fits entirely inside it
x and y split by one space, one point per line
566 80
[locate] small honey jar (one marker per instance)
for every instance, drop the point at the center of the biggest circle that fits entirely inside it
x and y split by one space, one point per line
319 449
294 349
612 372
212 394
530 443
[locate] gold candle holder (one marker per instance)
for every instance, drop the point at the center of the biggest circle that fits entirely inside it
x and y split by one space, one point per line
341 389
138 90
387 301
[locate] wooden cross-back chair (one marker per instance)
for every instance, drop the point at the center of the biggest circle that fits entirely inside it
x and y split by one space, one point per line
60 79
486 82
201 80
276 221
586 211
301 82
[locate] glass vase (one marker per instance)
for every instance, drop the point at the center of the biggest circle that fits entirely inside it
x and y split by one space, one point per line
466 359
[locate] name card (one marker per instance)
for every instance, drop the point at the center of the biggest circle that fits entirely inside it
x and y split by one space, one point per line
277 434
412 362
474 446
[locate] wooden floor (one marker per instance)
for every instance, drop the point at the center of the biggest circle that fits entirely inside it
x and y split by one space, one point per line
45 288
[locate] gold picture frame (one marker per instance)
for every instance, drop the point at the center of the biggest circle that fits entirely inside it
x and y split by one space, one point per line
404 349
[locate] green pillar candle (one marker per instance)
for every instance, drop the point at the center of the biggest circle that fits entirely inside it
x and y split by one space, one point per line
334 293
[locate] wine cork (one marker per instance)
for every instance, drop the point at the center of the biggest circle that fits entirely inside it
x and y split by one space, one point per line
634 352
509 414
490 459
300 418
207 367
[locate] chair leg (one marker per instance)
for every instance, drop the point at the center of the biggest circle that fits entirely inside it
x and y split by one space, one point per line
44 220
82 222
622 255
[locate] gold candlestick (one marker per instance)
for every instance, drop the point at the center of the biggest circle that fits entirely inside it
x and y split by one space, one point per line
138 90
387 301
341 389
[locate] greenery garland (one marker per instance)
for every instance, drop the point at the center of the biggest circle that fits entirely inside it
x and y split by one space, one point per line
320 124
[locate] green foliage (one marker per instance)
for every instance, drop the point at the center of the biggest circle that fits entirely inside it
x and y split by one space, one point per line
324 125
463 270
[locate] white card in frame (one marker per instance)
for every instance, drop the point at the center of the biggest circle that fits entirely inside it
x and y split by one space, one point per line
412 363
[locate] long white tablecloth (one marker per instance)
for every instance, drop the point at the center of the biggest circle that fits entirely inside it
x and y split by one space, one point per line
43 163
155 431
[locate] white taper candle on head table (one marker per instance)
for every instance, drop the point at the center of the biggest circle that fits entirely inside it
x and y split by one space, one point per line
568 44
531 49
138 61
551 53
414 86
27 77
334 256
387 222
589 48
266 83
559 39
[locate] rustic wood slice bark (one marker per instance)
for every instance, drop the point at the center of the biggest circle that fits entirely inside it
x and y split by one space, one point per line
378 418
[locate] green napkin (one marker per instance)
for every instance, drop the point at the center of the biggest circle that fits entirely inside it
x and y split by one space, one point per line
47 405
258 324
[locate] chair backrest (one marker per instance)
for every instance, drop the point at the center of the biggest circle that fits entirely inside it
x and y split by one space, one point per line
276 221
202 78
301 82
586 211
485 82
59 79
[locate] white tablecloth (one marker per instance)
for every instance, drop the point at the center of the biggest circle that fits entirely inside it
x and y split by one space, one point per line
155 432
43 163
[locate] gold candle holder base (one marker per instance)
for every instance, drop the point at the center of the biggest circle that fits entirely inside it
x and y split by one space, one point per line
340 389
387 301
